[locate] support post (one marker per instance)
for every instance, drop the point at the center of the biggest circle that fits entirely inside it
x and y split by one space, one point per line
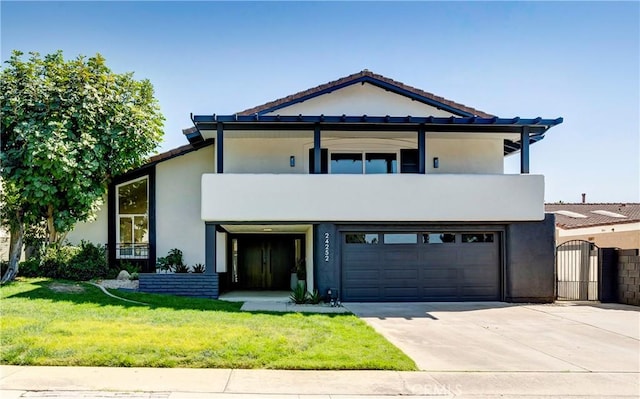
220 148
317 153
524 150
421 151
210 248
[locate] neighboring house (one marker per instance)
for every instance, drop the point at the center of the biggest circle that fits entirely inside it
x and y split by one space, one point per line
605 225
4 244
383 192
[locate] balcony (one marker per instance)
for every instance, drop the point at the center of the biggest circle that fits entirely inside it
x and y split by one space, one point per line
372 198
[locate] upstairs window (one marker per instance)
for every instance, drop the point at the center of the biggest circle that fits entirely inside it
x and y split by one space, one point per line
380 163
346 163
363 162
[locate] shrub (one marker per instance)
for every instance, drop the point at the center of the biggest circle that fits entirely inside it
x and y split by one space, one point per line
181 268
171 261
198 268
30 268
55 261
299 295
315 297
88 262
68 262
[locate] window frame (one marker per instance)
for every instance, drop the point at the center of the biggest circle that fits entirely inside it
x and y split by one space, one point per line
363 159
376 242
131 250
398 235
483 233
428 233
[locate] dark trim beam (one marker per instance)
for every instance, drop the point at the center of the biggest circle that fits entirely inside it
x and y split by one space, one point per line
210 248
524 150
220 148
112 224
152 221
317 150
421 151
370 120
515 129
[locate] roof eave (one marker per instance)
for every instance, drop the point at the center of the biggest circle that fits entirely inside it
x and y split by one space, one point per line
378 83
363 77
537 126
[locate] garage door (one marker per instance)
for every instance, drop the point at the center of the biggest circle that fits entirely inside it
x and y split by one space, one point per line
426 266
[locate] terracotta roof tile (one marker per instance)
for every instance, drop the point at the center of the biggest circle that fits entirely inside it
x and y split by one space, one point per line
630 210
358 75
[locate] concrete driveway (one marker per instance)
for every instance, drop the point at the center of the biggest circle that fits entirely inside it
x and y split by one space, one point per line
577 337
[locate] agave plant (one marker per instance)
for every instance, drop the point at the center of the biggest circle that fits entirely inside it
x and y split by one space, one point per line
299 295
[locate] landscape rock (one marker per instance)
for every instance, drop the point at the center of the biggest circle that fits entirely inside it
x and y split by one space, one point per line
123 275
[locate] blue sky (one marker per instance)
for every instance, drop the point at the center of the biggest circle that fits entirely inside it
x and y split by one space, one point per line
578 60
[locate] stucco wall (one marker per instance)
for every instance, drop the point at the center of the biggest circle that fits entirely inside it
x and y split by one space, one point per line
178 204
465 155
270 154
95 231
265 155
384 198
361 99
530 261
625 235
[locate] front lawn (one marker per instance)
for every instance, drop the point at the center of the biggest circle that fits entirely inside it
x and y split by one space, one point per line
49 322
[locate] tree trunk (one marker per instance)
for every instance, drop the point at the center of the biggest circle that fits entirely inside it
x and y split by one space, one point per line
15 249
51 228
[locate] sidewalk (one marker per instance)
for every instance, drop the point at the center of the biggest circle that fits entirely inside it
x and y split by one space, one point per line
142 383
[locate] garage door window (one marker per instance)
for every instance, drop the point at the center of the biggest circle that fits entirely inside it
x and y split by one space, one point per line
361 238
477 237
400 238
438 238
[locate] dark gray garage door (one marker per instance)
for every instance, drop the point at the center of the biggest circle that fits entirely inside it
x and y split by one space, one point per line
431 266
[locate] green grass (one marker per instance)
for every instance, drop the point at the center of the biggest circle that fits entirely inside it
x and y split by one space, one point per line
48 322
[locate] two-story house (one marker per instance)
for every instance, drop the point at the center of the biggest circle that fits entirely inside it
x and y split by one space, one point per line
381 191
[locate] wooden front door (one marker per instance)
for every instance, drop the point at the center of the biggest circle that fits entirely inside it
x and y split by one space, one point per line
265 261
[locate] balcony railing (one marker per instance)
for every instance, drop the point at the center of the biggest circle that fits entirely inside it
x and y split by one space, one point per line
132 250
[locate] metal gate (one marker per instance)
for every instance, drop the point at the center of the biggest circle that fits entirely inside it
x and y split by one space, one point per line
577 271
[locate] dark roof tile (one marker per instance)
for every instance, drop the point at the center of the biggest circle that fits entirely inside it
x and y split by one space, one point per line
358 75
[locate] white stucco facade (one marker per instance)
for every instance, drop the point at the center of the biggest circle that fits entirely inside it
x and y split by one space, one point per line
465 155
372 198
266 155
178 222
266 187
94 231
248 152
361 99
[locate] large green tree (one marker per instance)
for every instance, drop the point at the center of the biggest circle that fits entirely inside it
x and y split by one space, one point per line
67 127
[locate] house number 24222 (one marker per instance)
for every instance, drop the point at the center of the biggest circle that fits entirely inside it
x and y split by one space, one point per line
326 247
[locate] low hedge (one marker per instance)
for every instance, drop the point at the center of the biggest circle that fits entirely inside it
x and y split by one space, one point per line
68 262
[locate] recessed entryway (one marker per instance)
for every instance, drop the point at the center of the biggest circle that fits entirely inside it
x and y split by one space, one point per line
262 261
